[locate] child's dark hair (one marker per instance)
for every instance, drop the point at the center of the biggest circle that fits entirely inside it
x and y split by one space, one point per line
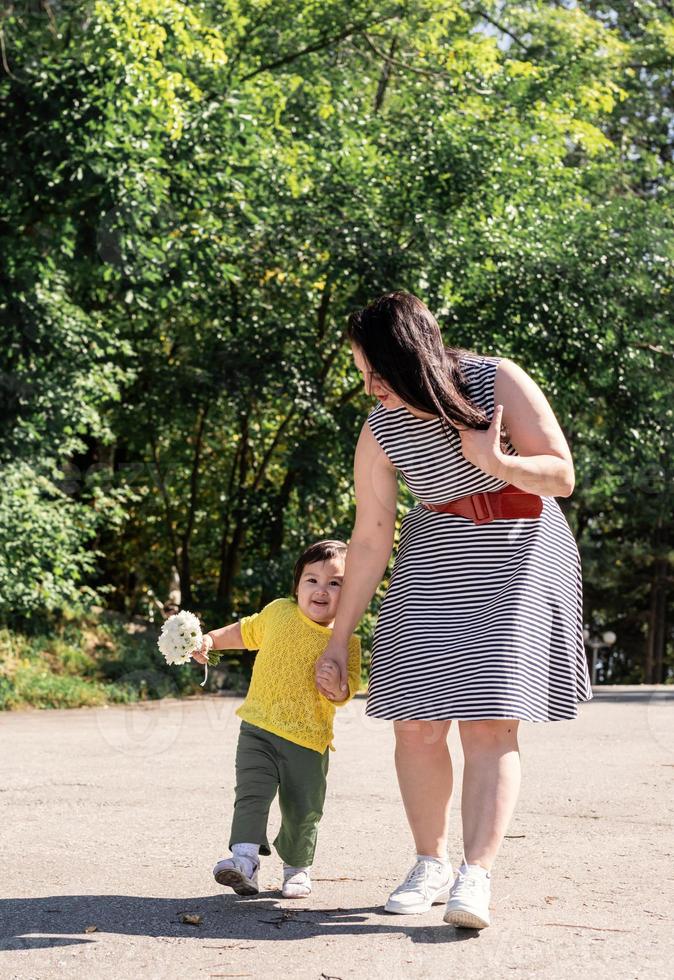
318 551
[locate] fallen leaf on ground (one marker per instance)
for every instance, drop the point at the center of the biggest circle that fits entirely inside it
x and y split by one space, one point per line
191 920
91 929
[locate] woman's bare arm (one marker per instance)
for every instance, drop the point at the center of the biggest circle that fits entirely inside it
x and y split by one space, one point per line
544 464
370 545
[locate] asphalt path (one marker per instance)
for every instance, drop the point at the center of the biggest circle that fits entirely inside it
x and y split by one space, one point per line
111 820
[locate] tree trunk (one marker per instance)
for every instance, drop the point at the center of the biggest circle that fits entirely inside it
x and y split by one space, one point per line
657 625
230 547
230 567
186 538
168 510
277 528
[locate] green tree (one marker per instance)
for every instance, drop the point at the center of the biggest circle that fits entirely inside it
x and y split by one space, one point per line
199 192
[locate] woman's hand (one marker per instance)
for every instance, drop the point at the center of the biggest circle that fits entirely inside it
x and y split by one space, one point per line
335 657
201 655
482 447
327 676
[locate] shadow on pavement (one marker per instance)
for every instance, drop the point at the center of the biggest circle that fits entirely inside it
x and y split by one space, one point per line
34 923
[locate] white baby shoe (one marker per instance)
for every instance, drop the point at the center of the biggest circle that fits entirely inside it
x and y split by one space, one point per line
239 873
296 882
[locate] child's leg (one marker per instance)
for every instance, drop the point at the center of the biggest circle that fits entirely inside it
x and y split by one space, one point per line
302 783
257 780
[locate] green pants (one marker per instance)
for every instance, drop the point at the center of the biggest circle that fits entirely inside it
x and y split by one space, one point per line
266 763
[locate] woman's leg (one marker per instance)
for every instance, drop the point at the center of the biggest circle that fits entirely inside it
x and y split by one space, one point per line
491 782
424 770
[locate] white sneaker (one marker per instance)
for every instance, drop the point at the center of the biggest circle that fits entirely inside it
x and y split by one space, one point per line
468 905
296 883
426 884
239 873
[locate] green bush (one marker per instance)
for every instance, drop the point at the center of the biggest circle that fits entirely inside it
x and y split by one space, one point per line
45 541
85 660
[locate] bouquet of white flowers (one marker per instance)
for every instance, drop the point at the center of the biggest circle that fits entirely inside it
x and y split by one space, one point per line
180 637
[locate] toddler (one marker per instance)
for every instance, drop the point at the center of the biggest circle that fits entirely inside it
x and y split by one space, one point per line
286 729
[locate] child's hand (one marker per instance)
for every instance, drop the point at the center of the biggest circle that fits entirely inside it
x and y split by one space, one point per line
334 653
328 676
201 655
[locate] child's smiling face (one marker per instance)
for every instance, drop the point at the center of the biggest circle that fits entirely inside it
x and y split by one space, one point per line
319 588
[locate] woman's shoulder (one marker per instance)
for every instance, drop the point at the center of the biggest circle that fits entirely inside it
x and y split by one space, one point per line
378 419
388 426
479 372
473 362
376 413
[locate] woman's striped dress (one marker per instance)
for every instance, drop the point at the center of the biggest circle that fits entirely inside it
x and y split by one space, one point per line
479 621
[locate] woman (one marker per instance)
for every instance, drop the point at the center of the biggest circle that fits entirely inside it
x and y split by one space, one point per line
482 620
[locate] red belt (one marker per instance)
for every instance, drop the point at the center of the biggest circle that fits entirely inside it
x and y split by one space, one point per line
508 503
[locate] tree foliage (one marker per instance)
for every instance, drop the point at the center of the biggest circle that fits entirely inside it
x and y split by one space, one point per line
197 194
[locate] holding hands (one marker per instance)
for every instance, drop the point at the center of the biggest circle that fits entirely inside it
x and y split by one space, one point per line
331 672
328 680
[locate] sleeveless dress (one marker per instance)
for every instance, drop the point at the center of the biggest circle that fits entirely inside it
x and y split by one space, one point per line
479 621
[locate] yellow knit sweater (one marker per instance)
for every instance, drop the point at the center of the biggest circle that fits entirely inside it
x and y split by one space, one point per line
282 697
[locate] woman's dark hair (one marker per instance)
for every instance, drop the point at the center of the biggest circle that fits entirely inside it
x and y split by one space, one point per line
318 551
402 343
